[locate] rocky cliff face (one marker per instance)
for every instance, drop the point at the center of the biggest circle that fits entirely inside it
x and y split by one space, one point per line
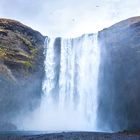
119 81
21 68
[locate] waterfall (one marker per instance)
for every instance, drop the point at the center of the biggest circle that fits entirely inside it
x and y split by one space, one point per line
69 99
70 83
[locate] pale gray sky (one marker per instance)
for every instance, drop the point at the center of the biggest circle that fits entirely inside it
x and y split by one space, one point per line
69 17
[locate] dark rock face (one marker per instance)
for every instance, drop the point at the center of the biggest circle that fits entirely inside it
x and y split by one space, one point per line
119 81
21 68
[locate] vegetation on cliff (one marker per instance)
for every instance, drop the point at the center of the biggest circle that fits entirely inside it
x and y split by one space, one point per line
21 68
20 47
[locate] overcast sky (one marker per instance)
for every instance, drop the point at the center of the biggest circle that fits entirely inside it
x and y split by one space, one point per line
69 17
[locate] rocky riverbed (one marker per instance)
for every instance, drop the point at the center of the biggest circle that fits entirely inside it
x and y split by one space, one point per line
74 136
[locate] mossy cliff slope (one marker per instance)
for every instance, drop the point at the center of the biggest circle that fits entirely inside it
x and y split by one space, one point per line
119 79
21 67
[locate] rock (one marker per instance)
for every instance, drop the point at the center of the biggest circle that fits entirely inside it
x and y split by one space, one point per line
21 68
119 81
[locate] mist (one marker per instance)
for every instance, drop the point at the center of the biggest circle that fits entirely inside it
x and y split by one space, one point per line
51 119
69 18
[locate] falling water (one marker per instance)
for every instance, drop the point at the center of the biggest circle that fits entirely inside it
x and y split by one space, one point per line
69 100
76 94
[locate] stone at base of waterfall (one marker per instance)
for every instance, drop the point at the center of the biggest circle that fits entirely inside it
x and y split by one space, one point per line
73 136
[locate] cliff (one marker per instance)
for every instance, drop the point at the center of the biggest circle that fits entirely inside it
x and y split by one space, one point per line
119 79
21 68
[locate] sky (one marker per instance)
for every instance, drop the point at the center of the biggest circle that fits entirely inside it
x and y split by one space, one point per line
69 18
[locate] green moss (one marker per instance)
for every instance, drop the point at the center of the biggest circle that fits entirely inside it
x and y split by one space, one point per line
13 55
34 53
25 41
19 57
2 53
27 64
